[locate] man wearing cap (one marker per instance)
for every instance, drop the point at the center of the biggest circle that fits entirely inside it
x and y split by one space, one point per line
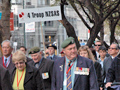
73 72
44 65
51 49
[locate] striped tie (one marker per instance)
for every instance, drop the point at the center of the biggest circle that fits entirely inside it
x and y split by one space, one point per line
69 81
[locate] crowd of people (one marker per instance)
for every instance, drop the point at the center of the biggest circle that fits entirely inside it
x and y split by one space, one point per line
95 68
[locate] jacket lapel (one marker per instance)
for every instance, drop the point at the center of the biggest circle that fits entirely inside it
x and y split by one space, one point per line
28 74
61 69
79 64
42 63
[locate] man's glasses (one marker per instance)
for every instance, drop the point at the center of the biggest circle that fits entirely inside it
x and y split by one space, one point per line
98 45
112 48
16 64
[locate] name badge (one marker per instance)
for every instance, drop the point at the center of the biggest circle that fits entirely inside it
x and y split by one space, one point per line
81 71
45 75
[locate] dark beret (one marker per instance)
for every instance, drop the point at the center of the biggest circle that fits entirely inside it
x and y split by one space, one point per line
67 42
34 50
52 45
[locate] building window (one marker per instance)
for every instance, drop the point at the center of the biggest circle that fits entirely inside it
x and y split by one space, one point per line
41 2
48 23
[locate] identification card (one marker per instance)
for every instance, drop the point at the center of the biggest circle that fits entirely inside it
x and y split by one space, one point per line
45 75
81 71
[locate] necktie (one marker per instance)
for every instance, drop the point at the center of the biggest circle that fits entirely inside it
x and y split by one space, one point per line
69 81
5 61
51 58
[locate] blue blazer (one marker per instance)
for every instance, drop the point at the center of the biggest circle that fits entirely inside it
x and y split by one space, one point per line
81 82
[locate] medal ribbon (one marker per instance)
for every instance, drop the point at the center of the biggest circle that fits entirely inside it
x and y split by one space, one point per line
20 78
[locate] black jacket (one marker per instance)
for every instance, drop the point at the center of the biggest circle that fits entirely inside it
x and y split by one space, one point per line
33 79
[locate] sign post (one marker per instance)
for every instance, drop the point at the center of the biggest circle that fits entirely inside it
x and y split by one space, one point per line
38 15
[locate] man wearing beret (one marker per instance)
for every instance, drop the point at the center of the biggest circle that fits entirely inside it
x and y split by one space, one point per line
44 65
73 72
51 49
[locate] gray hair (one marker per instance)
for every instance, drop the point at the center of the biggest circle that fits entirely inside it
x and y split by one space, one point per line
11 44
117 46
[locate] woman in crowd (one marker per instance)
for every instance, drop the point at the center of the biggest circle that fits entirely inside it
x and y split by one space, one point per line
25 77
86 52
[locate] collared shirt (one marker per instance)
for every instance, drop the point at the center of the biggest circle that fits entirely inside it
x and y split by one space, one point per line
51 55
8 60
101 62
72 72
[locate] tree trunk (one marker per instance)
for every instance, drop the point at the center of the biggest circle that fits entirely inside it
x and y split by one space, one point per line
5 20
69 28
93 34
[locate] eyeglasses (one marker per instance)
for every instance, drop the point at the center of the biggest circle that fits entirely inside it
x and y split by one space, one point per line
112 48
97 45
16 64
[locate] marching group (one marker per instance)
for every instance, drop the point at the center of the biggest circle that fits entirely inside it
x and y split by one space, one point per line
87 68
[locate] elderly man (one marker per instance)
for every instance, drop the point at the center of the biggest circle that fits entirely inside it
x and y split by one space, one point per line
113 74
44 65
73 72
113 51
6 59
51 49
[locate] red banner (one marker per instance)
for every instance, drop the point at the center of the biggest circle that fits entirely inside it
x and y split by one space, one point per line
11 21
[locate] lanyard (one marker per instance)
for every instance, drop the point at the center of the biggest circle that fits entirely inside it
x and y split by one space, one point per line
18 82
7 62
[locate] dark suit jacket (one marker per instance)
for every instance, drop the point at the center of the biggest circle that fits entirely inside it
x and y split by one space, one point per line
55 57
114 70
10 66
46 66
106 64
5 83
82 82
33 79
98 70
28 59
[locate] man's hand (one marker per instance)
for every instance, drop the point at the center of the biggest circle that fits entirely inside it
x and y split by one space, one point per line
108 84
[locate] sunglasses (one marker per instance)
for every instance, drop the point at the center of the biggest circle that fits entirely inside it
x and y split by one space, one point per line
98 45
112 48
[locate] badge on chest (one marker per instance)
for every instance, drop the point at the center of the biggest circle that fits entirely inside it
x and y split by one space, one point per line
45 75
81 71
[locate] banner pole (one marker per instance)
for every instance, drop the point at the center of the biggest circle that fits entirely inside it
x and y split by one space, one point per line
42 37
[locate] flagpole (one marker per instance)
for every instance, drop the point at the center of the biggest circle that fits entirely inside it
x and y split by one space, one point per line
42 36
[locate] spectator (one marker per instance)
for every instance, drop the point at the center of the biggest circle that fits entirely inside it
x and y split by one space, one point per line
113 74
113 51
97 45
86 52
